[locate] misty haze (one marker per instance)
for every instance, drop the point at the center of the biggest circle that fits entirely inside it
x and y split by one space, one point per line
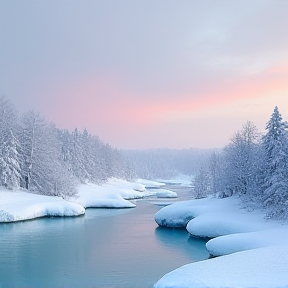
143 144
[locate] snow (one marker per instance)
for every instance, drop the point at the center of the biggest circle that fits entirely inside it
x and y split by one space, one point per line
180 213
181 179
107 196
162 193
120 183
258 268
19 205
150 183
257 248
229 244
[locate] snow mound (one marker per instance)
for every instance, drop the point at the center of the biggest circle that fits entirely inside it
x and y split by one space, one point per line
19 206
162 193
182 180
150 183
178 214
228 244
222 223
257 248
258 268
132 188
106 196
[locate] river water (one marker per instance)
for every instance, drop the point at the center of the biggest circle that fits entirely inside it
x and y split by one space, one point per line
106 248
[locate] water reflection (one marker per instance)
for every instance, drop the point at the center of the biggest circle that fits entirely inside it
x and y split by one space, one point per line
180 240
104 248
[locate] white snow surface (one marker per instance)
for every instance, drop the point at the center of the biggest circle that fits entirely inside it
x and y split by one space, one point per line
181 179
180 213
107 196
150 183
258 248
162 193
19 206
258 268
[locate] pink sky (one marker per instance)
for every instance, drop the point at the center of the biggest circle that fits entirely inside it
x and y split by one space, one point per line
147 74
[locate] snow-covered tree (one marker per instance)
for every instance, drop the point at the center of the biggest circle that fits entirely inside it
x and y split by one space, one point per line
9 146
275 146
216 165
9 162
239 169
202 184
41 167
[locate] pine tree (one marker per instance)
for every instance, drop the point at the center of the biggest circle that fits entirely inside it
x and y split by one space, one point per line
275 146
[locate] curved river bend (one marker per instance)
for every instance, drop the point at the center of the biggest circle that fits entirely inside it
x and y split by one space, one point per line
105 248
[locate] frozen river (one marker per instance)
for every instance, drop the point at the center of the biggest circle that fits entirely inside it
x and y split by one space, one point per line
105 248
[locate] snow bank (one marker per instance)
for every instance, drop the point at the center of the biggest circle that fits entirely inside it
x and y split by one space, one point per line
150 183
106 196
162 193
258 248
178 214
229 244
133 188
258 268
182 180
19 205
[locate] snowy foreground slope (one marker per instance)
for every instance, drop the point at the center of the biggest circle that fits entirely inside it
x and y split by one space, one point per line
258 249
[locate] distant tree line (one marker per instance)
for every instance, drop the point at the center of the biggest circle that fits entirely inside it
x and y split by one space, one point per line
37 156
165 163
252 166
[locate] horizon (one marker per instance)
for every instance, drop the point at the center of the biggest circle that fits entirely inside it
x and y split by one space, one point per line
147 75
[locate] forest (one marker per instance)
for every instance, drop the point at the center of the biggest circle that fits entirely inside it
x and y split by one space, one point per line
252 166
37 156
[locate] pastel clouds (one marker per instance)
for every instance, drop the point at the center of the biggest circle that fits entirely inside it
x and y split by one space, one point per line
108 108
144 74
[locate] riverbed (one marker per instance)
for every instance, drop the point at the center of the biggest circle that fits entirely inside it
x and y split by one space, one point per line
115 248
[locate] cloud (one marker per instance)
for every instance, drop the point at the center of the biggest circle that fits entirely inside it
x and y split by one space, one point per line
124 66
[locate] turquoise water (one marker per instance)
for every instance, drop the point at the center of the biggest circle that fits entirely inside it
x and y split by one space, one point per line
105 248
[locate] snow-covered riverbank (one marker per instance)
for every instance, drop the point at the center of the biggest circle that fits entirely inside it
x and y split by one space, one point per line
19 205
258 248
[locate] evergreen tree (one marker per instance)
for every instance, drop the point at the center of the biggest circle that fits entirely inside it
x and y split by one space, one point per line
275 146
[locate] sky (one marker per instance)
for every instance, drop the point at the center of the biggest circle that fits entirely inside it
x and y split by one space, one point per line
147 73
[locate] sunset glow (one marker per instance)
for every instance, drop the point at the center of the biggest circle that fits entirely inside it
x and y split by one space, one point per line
142 84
